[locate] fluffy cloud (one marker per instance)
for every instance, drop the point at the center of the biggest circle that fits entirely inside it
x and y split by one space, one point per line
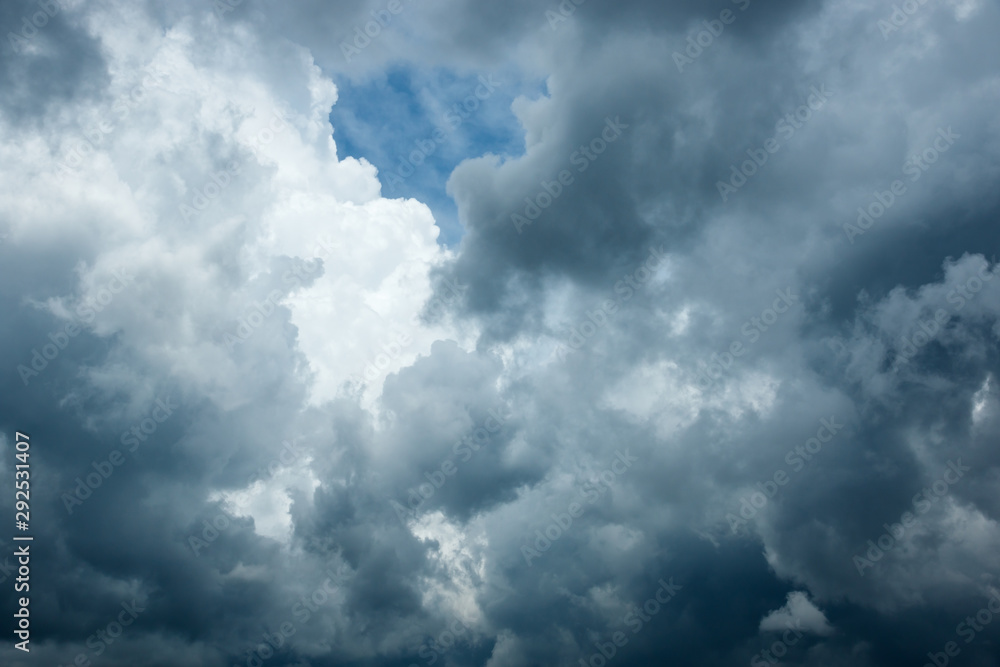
387 451
798 612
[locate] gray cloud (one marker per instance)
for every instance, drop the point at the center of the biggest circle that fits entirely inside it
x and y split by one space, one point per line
366 518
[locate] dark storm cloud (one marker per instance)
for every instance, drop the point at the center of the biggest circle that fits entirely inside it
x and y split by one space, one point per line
654 185
415 511
687 130
46 59
675 178
463 440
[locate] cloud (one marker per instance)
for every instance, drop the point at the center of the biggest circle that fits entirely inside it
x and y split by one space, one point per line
372 424
798 613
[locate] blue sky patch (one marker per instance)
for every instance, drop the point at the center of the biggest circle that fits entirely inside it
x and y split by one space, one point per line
416 127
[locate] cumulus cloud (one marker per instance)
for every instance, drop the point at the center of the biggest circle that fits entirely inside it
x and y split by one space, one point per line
797 613
726 327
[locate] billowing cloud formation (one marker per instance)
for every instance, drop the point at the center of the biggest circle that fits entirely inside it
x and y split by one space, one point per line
716 352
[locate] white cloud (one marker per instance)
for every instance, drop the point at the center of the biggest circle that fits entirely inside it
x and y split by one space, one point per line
200 270
798 612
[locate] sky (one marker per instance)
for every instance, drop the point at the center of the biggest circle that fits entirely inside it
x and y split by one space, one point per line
514 334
